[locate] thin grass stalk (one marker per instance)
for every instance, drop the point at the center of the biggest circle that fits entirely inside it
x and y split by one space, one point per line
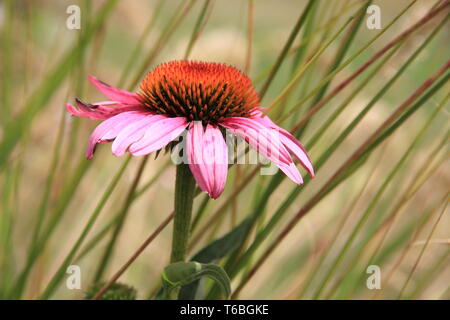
135 255
152 180
371 206
281 57
430 275
250 22
419 227
363 67
200 212
7 62
314 32
300 52
200 24
106 257
299 60
202 232
378 95
328 122
352 284
50 180
419 257
6 227
306 39
360 152
167 33
424 173
40 244
96 239
14 130
304 67
343 49
333 240
92 219
247 66
140 43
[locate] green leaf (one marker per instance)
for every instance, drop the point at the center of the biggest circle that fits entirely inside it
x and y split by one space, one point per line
219 248
216 250
182 273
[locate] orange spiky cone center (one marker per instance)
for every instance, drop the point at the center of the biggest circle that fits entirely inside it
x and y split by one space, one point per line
203 91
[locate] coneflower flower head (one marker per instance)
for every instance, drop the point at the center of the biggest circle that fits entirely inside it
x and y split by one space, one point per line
198 91
201 98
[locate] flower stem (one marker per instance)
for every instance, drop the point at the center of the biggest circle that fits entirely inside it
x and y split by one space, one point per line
184 197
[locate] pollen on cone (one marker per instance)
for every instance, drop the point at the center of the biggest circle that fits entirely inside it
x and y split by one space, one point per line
201 91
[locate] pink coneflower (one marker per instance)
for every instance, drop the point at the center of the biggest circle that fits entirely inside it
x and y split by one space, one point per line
202 98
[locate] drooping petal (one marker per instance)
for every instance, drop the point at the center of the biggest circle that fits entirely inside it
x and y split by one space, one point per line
275 140
115 94
110 128
261 138
132 133
292 173
158 135
208 158
100 110
297 150
215 148
194 140
288 140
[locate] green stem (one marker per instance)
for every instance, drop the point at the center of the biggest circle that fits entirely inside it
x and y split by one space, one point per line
184 197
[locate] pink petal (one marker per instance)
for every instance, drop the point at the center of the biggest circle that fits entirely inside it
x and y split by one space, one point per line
110 128
158 135
256 112
298 150
263 139
289 141
292 172
100 110
115 94
208 158
194 139
132 133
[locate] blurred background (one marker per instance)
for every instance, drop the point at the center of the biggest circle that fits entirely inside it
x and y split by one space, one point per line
49 191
